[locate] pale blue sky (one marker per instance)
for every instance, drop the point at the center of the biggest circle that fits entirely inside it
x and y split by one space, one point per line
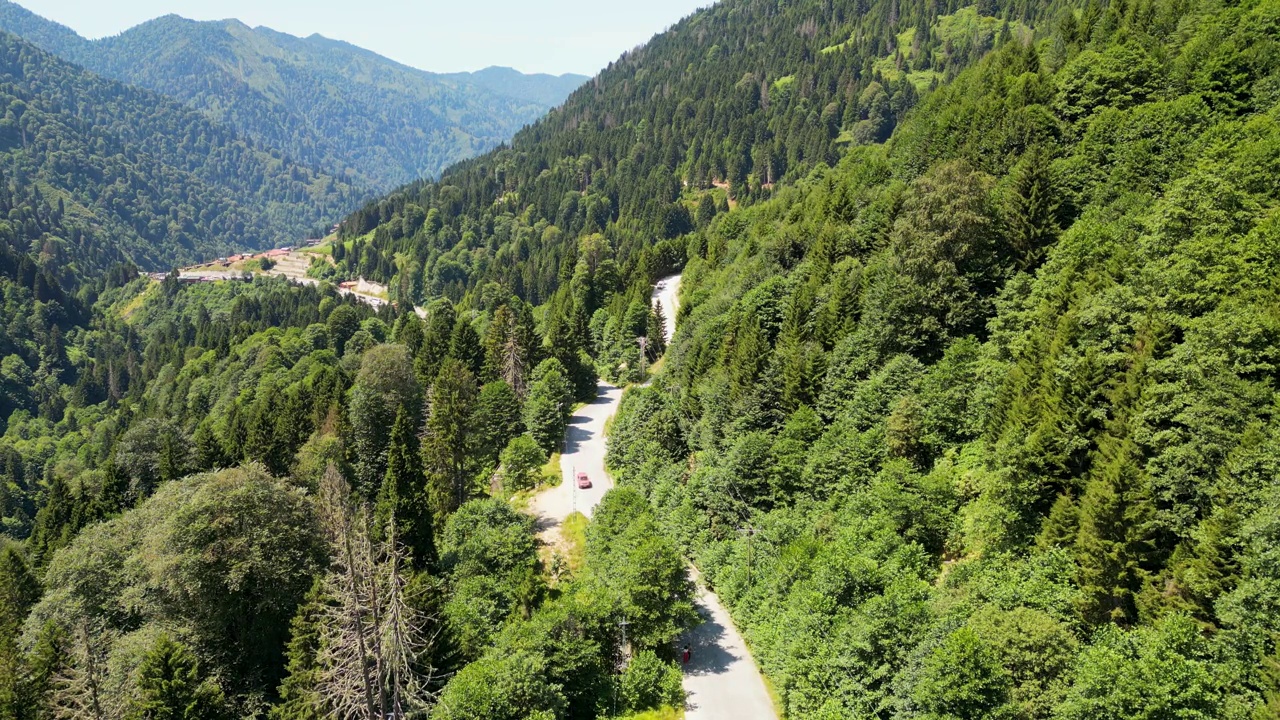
553 36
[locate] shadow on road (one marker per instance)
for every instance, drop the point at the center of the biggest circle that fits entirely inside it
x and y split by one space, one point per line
575 437
708 656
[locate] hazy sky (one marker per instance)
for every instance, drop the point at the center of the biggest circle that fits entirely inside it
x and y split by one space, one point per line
553 36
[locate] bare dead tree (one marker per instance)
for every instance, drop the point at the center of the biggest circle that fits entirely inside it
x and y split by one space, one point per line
373 643
78 686
513 370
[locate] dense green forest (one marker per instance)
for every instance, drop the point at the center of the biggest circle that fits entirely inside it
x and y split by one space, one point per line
730 100
969 412
981 423
355 114
97 173
148 577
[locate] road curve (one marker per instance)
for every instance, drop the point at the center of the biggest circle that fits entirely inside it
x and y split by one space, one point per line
721 679
583 451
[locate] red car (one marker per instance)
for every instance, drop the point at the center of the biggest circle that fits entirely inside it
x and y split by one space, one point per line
584 482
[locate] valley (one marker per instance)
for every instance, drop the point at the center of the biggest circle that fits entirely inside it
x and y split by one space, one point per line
876 359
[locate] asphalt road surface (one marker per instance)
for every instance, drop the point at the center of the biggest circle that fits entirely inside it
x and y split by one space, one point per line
667 292
721 679
583 451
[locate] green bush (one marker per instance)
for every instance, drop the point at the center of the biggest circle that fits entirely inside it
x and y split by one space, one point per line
649 683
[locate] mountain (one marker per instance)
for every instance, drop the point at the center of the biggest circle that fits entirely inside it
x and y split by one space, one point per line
540 88
981 422
312 97
972 408
735 99
119 174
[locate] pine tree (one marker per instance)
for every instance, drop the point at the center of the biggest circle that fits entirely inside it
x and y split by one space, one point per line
170 687
656 331
1062 526
1035 209
55 521
18 592
464 346
299 697
446 438
494 421
404 494
1113 542
505 351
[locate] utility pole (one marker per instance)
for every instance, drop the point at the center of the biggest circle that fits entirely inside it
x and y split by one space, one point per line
622 624
644 347
750 531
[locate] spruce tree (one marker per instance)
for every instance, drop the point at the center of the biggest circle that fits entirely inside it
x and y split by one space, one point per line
1062 526
1113 543
18 592
404 493
1035 209
170 687
445 442
299 698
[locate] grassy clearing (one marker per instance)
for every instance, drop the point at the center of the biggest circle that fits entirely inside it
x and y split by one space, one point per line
574 532
551 475
667 713
136 302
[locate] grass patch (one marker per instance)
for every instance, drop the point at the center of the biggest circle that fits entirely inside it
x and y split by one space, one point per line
774 697
666 713
136 302
574 532
551 475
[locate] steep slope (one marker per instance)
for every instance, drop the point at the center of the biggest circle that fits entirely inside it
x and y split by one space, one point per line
995 404
728 102
127 175
321 101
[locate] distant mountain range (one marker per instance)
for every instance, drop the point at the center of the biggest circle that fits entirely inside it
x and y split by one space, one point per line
95 172
352 113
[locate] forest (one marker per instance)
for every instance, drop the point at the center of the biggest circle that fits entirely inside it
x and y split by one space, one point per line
713 112
969 411
310 97
108 174
981 422
326 531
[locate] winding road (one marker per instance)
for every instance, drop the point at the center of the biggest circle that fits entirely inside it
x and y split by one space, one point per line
721 680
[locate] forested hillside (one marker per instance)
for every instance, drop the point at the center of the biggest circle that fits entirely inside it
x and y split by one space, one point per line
355 114
96 173
713 111
981 422
969 413
581 211
143 561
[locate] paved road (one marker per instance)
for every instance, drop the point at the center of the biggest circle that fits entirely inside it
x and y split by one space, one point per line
584 448
667 292
721 679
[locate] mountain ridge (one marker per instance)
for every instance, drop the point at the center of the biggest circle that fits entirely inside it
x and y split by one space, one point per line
309 96
139 177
